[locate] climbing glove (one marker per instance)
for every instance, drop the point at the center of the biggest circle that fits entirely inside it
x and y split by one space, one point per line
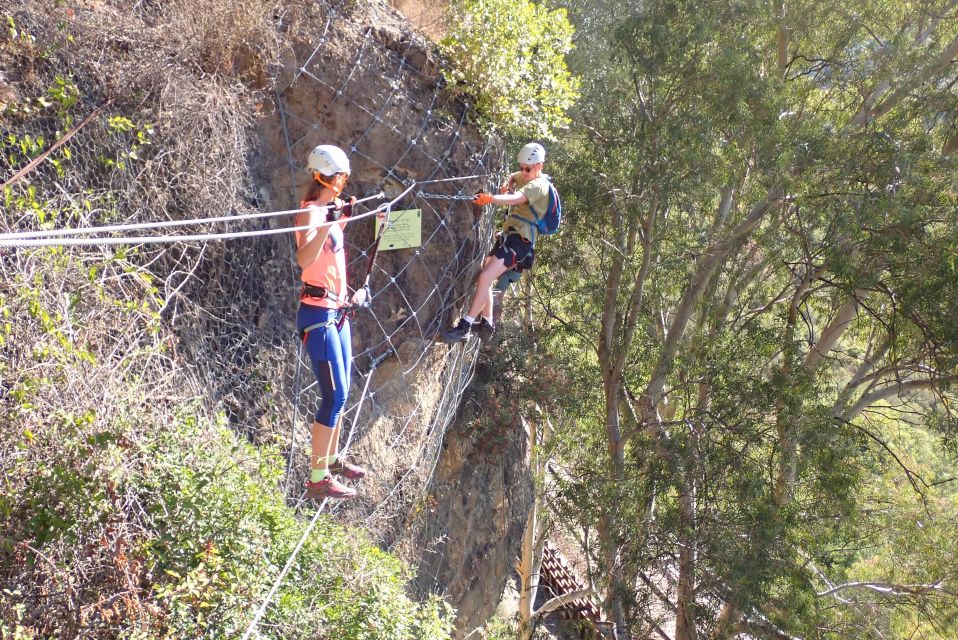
338 209
482 199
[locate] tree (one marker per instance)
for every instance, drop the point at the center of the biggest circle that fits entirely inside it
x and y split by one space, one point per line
760 215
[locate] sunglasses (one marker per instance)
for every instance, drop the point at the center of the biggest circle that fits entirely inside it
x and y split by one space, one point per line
526 169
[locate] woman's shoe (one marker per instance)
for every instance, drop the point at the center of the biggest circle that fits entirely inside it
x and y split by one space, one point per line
347 470
328 487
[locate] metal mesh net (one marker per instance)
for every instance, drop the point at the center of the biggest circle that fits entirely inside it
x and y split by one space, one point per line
148 327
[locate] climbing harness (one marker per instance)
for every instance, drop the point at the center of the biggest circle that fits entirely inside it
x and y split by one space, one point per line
503 241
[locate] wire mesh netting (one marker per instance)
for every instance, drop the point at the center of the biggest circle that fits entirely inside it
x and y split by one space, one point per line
212 320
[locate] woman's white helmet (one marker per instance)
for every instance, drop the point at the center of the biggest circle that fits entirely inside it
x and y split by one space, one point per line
532 153
328 160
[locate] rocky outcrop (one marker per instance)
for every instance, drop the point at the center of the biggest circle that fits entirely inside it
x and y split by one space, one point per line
439 495
480 500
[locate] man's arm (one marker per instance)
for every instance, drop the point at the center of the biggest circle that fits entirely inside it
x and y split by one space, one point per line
502 199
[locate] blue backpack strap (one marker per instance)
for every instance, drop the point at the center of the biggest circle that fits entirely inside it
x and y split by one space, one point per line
552 204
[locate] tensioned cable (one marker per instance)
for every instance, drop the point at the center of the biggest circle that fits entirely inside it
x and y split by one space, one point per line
24 239
53 233
319 510
138 240
282 574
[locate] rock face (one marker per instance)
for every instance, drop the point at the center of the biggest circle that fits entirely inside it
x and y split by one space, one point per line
436 494
482 495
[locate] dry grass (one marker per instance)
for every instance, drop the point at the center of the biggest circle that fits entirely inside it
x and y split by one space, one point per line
428 17
169 71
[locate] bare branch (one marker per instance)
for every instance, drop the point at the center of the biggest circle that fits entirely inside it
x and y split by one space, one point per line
711 260
889 588
561 601
892 390
866 114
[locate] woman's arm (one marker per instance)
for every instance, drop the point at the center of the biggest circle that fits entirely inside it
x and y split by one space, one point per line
310 242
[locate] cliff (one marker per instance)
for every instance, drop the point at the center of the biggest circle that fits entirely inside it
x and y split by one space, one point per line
190 120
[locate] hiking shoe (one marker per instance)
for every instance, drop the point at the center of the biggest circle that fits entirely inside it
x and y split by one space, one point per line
328 487
458 333
346 470
483 329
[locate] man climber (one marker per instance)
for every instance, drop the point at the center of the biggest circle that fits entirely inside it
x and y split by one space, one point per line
525 192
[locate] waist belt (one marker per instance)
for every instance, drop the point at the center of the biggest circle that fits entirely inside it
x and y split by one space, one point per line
315 291
342 313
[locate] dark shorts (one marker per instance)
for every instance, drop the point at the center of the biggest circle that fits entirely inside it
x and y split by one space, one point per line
514 251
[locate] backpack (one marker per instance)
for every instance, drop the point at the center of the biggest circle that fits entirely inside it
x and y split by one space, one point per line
548 221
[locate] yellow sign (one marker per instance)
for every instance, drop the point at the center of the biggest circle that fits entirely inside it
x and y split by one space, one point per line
403 231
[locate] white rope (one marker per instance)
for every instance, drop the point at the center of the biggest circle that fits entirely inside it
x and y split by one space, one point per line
54 233
349 436
282 574
139 240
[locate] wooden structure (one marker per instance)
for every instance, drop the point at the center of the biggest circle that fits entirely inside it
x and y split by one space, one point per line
557 577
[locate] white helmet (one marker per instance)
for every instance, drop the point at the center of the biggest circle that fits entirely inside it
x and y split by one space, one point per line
532 153
327 160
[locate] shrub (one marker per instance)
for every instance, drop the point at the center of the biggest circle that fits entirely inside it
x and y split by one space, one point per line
179 531
510 55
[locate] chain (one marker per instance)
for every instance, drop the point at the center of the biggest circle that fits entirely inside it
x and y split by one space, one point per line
441 196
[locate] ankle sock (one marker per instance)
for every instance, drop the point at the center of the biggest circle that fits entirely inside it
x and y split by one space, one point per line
318 474
469 319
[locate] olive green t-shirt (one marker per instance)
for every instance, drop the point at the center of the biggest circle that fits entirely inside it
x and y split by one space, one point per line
521 219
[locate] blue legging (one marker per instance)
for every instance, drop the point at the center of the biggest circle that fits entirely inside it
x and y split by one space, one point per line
331 354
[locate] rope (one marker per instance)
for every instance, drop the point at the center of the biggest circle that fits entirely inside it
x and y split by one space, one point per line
139 240
53 233
312 523
282 574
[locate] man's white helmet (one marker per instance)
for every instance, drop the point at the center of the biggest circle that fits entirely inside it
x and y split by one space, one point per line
327 160
532 153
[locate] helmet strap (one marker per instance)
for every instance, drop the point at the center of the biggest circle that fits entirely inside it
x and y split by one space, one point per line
318 177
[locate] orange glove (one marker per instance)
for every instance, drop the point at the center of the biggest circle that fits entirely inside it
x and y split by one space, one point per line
482 199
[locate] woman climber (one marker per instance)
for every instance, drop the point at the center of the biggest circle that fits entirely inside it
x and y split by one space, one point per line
321 320
515 244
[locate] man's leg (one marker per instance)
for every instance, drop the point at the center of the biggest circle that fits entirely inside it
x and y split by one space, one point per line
482 300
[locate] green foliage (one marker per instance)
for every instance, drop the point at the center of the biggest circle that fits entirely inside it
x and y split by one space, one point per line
207 534
513 379
689 103
510 56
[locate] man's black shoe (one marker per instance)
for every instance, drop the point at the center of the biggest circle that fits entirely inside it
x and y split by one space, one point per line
483 329
459 333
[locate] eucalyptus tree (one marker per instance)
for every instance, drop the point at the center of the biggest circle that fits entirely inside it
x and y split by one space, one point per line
760 256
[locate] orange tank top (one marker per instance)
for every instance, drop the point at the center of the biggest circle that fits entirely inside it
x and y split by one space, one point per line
329 268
